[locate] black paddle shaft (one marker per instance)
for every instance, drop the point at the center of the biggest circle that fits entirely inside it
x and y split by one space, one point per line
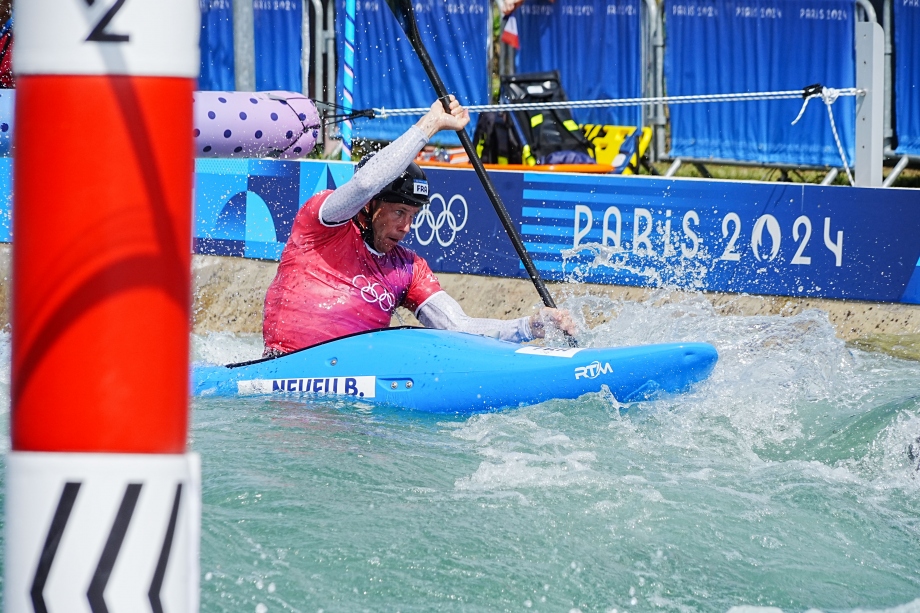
405 15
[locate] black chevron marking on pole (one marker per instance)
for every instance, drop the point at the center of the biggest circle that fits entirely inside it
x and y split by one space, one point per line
160 572
52 540
96 592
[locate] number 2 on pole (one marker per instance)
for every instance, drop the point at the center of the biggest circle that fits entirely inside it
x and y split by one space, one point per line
98 34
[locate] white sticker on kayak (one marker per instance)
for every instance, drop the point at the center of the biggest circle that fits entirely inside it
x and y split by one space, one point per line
556 352
359 387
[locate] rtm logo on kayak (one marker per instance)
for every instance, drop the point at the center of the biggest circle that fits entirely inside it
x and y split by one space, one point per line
361 387
593 370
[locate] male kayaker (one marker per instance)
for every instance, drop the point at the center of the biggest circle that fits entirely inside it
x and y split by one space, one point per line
343 270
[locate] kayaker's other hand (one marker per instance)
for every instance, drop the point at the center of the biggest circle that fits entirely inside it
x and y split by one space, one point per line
560 319
437 119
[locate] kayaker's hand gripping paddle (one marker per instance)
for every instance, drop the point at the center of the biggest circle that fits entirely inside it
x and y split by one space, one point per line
405 15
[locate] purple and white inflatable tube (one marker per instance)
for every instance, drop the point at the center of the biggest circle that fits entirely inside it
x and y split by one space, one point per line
276 124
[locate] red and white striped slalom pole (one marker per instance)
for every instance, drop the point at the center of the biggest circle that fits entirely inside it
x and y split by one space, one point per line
102 500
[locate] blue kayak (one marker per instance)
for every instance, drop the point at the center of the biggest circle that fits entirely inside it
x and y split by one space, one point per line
439 371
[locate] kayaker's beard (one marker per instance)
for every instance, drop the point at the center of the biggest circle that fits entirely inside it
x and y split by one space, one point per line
363 219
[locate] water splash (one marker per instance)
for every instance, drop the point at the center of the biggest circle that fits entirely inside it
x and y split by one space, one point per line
597 262
225 348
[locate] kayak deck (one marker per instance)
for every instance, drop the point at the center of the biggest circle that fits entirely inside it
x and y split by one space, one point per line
453 372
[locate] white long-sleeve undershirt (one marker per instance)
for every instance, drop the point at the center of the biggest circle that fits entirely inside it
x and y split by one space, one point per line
345 202
444 313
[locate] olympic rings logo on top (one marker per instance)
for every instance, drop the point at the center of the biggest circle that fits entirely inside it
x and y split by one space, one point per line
374 293
437 224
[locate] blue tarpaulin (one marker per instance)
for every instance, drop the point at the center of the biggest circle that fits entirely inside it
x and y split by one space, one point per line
216 44
733 46
388 74
596 45
907 75
278 26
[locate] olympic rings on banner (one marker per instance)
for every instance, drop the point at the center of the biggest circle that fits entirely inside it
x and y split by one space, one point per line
374 293
436 224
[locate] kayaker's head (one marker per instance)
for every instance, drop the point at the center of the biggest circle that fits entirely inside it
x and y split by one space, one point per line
387 218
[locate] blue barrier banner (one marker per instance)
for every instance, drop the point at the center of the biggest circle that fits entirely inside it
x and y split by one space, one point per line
278 25
388 74
245 208
596 45
759 238
216 45
912 291
735 46
907 75
774 239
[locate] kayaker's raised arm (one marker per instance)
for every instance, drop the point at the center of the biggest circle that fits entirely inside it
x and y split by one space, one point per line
382 168
371 177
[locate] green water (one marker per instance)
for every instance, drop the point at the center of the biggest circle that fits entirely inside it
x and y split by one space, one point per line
783 481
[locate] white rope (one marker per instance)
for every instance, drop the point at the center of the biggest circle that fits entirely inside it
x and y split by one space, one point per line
614 102
830 95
